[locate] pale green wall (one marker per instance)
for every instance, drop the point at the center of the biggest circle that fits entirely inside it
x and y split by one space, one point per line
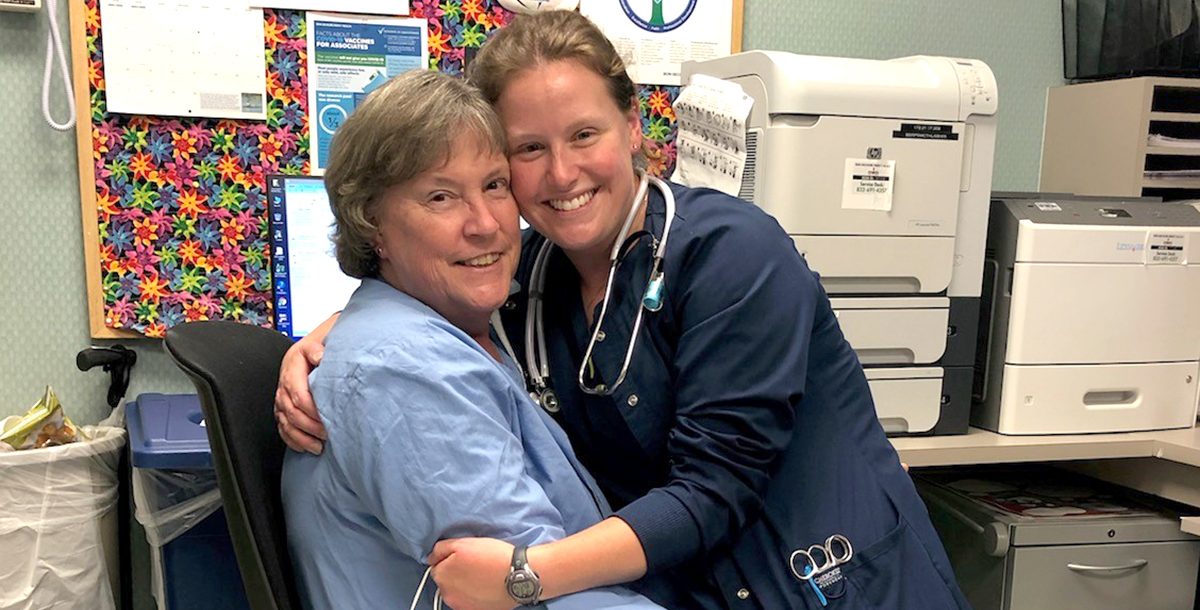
1021 40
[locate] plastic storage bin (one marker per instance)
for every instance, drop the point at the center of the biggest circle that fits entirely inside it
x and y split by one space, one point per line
177 501
58 525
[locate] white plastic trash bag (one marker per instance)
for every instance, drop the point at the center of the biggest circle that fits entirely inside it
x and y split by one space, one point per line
168 503
58 523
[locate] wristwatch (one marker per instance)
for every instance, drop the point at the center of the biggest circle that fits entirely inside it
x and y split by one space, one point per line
522 583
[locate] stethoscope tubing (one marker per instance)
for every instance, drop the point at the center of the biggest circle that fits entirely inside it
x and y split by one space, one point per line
613 258
537 367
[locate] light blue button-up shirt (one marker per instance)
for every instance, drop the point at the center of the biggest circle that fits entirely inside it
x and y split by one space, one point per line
429 438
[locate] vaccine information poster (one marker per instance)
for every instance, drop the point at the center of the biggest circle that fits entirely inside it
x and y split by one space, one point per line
348 58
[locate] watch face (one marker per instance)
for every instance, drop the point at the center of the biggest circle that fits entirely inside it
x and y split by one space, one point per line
522 588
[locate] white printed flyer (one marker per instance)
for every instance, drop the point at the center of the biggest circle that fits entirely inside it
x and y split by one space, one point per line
655 36
350 57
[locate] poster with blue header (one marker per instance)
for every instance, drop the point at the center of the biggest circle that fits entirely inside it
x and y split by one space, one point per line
349 57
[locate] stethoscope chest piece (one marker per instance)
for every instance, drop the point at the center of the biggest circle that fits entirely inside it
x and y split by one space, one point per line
546 399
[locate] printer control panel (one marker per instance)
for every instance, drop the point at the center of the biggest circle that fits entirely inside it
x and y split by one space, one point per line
977 87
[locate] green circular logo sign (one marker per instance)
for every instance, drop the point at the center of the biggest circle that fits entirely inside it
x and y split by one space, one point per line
658 20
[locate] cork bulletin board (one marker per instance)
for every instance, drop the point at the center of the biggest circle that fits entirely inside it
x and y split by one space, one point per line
174 214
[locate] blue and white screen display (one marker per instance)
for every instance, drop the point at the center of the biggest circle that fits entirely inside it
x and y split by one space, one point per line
308 284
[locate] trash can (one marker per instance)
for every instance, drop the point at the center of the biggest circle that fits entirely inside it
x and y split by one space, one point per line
58 524
176 499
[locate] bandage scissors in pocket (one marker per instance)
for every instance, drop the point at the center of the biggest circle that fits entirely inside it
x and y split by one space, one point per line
835 552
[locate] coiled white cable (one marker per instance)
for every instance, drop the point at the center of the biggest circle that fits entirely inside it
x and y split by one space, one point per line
53 43
437 595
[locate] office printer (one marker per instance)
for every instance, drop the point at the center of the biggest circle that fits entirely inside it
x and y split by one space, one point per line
1092 317
905 276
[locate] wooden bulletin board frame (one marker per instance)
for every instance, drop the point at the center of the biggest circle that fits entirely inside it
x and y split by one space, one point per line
739 7
87 183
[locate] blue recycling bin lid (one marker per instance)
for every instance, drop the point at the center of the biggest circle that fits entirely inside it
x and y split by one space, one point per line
167 431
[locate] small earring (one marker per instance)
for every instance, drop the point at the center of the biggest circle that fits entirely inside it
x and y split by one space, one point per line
379 250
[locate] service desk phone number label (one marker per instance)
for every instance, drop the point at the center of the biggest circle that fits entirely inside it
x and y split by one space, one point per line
868 184
1166 248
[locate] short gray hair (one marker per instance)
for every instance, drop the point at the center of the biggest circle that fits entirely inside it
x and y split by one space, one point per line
401 130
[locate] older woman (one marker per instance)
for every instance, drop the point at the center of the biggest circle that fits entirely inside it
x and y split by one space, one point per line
431 433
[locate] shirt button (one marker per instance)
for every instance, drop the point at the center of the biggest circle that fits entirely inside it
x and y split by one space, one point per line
632 400
600 337
743 594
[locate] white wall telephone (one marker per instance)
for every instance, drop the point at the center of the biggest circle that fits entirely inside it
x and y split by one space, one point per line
54 45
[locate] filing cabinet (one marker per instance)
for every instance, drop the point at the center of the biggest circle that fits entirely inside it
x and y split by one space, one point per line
1039 538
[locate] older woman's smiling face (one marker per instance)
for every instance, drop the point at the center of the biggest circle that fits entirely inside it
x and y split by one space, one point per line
450 237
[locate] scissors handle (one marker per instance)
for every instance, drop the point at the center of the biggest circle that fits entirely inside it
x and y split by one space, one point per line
836 551
831 545
810 567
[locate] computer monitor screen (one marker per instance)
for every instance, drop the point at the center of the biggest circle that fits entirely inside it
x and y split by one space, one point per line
309 286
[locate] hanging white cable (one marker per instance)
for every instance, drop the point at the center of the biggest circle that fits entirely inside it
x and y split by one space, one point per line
54 43
437 595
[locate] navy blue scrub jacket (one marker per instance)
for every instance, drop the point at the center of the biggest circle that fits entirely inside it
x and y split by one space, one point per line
744 429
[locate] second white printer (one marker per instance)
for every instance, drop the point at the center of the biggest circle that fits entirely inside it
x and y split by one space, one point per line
1095 317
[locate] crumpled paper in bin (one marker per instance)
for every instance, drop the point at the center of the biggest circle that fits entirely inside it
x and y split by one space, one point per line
44 425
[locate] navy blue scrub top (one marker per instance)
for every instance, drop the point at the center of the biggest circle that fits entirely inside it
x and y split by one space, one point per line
744 429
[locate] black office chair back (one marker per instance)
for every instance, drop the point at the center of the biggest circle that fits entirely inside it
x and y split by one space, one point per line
235 368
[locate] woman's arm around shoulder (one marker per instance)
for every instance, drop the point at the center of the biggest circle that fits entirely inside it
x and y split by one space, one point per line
744 304
295 412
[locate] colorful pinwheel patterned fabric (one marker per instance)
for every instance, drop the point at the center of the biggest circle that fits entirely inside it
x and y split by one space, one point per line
182 219
458 25
658 127
181 202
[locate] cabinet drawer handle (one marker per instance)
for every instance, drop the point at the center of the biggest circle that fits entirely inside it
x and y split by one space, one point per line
1136 564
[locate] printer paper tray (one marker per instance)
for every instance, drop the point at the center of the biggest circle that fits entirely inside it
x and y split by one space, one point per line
894 330
1075 399
907 399
858 264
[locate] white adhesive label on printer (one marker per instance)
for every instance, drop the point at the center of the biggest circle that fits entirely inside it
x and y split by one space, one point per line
869 184
1048 206
1166 248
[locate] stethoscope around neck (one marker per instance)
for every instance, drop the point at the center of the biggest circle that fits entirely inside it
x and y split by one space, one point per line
537 364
